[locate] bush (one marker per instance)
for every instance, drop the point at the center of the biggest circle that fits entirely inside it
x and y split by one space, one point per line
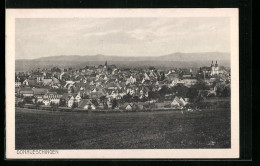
114 103
21 104
38 104
167 106
28 100
74 105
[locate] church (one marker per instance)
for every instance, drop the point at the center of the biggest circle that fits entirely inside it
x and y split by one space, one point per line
213 70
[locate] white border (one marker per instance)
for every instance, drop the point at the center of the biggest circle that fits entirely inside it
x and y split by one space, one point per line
11 14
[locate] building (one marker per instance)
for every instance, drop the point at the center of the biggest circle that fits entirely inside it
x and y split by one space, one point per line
51 97
32 81
39 93
39 78
77 97
129 107
210 71
47 81
86 104
70 101
214 69
189 82
25 82
26 92
131 80
18 84
176 81
38 98
178 101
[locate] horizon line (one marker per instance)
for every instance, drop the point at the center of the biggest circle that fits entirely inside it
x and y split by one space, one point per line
124 56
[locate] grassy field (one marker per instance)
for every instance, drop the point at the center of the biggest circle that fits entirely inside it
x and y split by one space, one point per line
36 129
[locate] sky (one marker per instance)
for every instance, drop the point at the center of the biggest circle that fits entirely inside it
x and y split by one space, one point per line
43 37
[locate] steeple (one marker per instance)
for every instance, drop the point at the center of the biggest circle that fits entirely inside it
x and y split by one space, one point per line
106 63
212 64
216 65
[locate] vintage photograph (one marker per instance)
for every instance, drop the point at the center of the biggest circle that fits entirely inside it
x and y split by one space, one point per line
123 83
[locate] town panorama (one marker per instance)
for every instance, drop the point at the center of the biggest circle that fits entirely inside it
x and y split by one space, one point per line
107 87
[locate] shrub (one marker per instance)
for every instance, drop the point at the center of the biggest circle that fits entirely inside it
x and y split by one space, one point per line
21 104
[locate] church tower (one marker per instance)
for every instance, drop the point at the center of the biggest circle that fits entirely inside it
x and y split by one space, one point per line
214 68
216 65
105 65
212 64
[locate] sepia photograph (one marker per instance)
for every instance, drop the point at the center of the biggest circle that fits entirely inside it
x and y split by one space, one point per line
122 83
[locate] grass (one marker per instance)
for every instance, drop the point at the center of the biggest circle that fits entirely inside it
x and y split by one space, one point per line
36 129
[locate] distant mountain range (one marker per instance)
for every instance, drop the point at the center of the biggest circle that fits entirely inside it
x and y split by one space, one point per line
206 56
178 60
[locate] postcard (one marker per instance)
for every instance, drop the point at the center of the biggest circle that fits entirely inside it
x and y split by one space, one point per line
122 83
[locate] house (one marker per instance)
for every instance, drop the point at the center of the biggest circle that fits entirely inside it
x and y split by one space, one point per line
18 84
86 104
129 107
25 82
132 106
146 77
51 97
172 75
131 80
189 82
39 78
32 81
38 98
46 81
70 100
178 101
77 97
26 92
176 81
68 84
130 91
39 93
46 101
55 83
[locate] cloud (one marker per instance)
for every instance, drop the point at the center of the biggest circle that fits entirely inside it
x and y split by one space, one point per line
101 33
120 36
141 34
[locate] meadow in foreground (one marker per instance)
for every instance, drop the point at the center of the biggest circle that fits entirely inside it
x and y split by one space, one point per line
36 129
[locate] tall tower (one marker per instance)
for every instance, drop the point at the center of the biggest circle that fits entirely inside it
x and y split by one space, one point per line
216 68
105 67
212 64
